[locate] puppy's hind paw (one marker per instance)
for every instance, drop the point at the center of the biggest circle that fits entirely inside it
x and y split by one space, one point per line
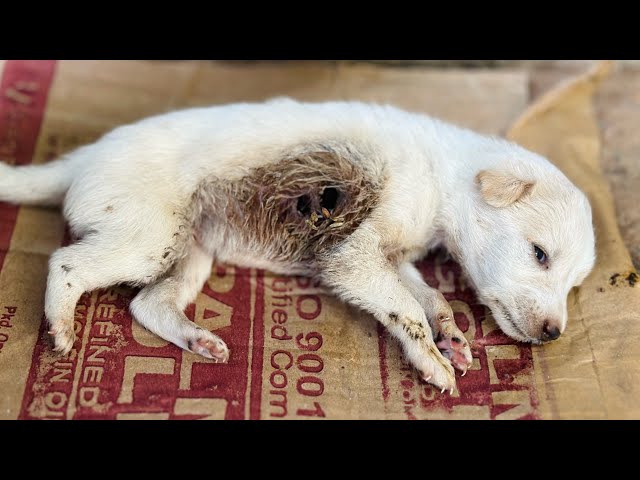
63 339
210 346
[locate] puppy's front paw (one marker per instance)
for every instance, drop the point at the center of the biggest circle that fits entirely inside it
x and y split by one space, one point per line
446 334
452 343
210 346
436 370
421 351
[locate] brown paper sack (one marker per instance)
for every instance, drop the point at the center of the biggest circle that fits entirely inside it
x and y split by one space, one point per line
297 353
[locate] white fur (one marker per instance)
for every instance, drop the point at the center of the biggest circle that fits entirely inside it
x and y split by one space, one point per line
123 192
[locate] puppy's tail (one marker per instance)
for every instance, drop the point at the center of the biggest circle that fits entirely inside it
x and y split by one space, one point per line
44 184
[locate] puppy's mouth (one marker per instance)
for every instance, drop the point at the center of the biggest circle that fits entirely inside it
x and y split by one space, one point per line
497 307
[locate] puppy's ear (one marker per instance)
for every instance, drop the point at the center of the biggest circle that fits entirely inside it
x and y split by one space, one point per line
501 189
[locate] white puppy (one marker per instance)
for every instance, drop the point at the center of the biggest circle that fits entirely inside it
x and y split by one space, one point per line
351 192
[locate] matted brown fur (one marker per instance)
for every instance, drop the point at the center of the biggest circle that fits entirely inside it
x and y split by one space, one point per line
292 210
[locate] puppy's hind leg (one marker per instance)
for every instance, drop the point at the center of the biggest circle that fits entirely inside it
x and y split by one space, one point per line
159 307
95 262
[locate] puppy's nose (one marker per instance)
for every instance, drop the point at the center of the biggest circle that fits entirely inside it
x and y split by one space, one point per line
549 331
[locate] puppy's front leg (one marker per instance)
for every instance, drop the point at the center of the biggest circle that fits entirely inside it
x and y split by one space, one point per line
448 337
360 274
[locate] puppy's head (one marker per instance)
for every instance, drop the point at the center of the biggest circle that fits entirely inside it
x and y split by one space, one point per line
530 242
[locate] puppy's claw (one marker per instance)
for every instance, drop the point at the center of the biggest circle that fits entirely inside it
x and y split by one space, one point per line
464 373
451 391
443 389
